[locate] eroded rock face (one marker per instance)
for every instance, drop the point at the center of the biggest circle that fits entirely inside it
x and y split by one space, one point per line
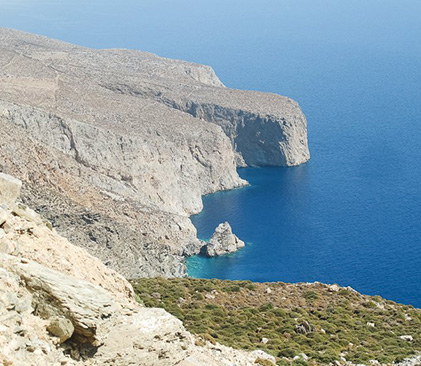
223 241
26 234
123 144
58 295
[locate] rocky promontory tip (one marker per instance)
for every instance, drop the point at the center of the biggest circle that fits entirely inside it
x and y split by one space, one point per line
223 241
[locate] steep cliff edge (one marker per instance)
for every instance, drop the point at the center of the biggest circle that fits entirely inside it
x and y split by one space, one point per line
118 143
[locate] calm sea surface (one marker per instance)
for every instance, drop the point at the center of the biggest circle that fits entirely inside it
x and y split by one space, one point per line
352 214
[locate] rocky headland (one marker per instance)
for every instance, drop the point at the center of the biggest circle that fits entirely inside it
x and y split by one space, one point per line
116 147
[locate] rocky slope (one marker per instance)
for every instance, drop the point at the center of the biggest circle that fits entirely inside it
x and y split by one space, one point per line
116 147
61 306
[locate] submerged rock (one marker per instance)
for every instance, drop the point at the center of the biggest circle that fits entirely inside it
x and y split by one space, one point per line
223 241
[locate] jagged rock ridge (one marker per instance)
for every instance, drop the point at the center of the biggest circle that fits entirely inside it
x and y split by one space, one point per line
118 144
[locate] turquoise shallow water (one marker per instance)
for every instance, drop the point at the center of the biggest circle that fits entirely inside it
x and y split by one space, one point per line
352 214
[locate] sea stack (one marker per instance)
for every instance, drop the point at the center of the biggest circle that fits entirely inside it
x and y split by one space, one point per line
223 241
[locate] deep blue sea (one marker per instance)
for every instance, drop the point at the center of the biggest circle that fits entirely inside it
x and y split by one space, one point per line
352 214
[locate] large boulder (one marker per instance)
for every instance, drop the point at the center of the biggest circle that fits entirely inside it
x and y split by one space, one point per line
223 241
57 295
62 328
9 189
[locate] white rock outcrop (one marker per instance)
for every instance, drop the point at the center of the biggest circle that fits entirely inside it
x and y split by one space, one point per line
9 189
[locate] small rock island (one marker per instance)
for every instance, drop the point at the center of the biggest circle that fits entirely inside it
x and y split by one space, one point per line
223 241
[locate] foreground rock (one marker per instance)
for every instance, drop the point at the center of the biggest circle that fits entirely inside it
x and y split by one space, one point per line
223 241
105 331
116 147
26 234
62 328
61 306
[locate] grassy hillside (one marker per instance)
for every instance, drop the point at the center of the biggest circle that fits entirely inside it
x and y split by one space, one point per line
286 320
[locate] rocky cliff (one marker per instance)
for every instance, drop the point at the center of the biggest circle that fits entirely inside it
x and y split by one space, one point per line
117 147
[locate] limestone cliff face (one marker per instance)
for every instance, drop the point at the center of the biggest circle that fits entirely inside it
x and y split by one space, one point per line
264 129
119 143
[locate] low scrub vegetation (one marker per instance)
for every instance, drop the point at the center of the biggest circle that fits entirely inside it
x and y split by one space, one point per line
316 322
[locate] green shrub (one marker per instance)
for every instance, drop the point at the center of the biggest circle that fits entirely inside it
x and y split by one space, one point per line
262 362
311 296
250 286
299 363
197 296
233 289
239 319
266 307
286 352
